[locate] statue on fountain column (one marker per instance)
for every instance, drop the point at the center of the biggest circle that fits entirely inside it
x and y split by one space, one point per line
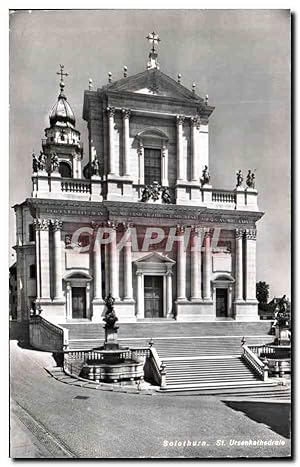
110 317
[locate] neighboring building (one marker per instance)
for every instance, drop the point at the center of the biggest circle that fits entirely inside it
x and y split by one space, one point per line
148 168
13 291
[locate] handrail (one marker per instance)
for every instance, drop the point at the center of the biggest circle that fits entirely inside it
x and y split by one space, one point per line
258 366
62 333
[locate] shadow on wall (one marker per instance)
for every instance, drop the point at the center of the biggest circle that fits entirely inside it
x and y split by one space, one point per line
276 415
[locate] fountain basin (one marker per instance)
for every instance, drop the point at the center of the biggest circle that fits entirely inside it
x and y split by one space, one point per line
127 370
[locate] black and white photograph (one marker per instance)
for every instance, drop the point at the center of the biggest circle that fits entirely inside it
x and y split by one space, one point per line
150 298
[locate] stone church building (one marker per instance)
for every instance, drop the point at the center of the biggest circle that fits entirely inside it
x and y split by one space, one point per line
142 219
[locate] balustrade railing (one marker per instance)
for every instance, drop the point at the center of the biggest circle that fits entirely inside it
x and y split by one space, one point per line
158 368
223 196
47 336
262 350
75 186
260 368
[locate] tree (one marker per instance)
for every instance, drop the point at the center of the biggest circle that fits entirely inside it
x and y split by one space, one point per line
262 292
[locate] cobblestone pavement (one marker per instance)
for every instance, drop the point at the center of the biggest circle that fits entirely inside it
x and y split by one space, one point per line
67 421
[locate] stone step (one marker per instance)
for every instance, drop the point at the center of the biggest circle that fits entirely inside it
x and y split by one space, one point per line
167 328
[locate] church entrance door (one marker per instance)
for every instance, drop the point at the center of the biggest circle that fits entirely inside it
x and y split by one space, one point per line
221 303
153 293
78 302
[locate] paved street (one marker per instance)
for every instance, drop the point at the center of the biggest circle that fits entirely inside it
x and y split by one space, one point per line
49 420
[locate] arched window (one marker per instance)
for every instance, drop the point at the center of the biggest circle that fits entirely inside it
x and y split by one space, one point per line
65 170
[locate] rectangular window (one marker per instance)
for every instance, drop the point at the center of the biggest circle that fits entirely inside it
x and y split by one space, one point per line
152 169
32 271
31 233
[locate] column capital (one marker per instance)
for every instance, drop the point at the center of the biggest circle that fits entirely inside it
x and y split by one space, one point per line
196 230
56 224
180 229
126 113
111 224
41 224
180 119
110 111
239 233
195 122
251 234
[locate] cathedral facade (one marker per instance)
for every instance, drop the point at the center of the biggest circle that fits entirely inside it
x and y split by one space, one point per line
141 220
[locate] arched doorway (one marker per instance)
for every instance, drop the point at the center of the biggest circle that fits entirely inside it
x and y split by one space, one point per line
78 297
222 295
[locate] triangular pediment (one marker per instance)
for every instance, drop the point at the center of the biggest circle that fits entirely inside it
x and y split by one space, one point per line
154 83
155 258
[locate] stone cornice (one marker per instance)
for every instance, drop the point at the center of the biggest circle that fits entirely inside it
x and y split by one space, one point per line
140 213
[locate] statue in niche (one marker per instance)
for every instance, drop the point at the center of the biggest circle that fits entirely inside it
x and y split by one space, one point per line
205 176
239 178
95 167
165 196
35 163
250 181
54 163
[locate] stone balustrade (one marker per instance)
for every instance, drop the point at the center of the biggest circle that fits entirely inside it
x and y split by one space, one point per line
75 186
260 368
223 196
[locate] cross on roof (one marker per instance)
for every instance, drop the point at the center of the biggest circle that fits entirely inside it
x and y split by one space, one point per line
154 38
61 72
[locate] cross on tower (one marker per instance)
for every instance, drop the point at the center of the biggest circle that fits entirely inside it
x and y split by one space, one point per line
154 38
62 74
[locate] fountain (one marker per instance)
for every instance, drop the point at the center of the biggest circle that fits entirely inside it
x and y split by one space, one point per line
111 362
278 353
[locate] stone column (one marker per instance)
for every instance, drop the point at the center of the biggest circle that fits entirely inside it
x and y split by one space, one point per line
180 161
169 294
38 260
207 267
181 266
114 264
250 281
196 244
128 294
195 126
44 258
97 266
141 163
111 154
126 155
58 291
139 296
239 294
164 168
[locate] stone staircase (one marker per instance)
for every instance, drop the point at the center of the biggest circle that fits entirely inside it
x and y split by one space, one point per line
86 335
200 358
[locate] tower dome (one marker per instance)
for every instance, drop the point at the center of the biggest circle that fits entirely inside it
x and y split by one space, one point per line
61 111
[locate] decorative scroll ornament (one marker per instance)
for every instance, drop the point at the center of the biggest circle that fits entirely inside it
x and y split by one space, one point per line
251 234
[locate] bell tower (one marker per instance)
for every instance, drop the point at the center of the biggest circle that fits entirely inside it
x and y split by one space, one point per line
62 138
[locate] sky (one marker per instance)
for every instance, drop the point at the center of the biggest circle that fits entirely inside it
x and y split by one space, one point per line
240 58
